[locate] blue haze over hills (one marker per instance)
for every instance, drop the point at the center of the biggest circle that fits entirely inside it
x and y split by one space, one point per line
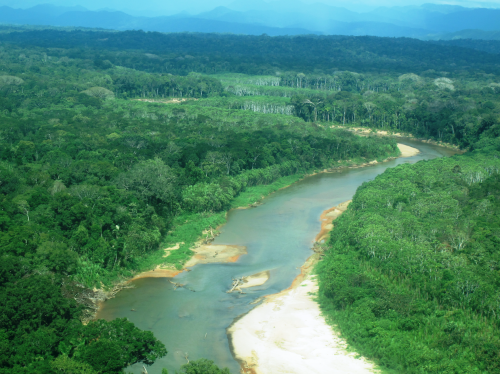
281 17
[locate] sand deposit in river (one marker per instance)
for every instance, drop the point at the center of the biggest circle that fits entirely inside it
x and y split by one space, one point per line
212 253
203 254
407 151
289 335
278 236
327 218
255 280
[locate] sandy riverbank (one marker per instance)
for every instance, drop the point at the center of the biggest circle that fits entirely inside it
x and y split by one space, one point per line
208 253
327 217
203 254
365 131
173 100
407 151
288 334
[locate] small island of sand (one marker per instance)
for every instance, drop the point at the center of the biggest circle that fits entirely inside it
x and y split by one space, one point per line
407 151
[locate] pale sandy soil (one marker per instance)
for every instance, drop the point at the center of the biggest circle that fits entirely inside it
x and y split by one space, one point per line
162 271
204 254
327 217
255 280
212 253
366 131
158 273
407 151
288 334
166 101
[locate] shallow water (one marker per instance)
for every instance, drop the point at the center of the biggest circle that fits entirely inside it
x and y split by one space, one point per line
278 235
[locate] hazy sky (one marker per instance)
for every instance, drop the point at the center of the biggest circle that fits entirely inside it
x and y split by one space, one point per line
197 6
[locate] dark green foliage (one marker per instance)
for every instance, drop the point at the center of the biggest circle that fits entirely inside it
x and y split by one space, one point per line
181 53
111 346
93 182
38 323
411 276
202 366
99 180
490 46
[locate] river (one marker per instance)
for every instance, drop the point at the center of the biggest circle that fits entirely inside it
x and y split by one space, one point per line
278 235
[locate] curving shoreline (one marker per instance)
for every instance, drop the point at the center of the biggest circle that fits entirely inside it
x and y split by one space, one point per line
212 252
288 334
407 151
208 253
365 131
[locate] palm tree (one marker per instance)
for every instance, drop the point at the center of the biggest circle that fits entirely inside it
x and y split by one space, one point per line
314 103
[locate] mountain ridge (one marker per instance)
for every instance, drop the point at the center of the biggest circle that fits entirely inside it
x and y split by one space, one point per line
422 22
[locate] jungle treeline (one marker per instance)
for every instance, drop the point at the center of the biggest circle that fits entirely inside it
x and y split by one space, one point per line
181 53
411 273
93 181
114 146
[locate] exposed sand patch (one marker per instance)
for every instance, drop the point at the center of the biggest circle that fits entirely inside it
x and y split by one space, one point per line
174 100
250 281
255 280
170 249
343 206
289 335
158 273
327 217
212 253
368 131
162 271
364 131
204 254
407 151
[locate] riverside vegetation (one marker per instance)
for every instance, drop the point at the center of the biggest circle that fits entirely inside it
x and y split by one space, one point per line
94 184
411 274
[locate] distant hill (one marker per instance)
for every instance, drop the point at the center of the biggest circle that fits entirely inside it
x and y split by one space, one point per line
490 46
484 19
291 17
47 15
467 34
427 18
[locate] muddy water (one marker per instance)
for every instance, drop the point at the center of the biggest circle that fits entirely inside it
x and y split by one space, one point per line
278 236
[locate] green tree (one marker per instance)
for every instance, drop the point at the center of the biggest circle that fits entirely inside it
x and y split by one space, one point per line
202 366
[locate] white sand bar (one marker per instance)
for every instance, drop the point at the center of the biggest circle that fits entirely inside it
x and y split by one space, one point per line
288 334
407 151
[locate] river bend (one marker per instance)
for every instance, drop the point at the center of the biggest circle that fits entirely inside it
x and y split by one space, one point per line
278 235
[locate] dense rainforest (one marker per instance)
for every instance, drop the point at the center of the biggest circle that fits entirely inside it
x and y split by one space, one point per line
411 275
93 181
181 53
116 145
